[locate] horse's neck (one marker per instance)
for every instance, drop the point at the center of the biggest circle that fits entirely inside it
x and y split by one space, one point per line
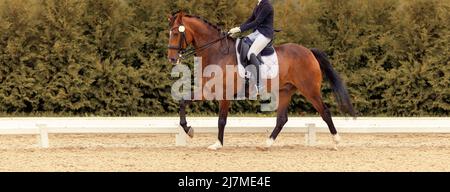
205 34
220 50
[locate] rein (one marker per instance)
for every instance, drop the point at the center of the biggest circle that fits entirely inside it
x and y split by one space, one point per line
192 51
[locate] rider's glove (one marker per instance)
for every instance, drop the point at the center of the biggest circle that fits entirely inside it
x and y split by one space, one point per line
234 30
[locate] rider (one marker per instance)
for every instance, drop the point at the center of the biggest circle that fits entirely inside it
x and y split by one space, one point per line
261 22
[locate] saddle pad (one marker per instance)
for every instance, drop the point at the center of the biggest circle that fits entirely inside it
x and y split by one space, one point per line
269 70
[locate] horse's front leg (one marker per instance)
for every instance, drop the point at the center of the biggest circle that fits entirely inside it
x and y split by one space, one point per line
223 114
183 123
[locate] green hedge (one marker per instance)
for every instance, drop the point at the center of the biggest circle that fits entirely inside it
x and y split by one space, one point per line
108 57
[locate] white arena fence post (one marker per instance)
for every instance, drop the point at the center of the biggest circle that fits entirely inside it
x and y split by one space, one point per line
311 135
180 137
43 136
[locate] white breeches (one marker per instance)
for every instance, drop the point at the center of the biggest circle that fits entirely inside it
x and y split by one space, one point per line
259 43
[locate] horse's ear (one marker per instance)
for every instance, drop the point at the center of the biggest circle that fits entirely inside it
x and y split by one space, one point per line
179 16
169 17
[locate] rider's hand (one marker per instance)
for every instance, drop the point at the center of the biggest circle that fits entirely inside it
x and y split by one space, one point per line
234 30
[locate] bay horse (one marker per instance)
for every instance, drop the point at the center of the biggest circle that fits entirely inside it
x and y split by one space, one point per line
300 70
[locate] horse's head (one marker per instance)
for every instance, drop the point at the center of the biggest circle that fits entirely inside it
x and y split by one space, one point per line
180 36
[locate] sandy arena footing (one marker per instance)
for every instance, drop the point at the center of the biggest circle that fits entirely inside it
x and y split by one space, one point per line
157 153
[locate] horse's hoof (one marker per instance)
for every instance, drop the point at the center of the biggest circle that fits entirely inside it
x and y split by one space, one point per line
190 132
215 146
337 140
269 142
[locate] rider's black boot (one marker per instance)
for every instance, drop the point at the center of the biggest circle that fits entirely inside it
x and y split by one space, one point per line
257 63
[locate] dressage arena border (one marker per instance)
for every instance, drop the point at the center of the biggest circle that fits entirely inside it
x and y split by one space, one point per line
170 125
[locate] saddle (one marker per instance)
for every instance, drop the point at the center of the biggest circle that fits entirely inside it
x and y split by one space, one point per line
244 47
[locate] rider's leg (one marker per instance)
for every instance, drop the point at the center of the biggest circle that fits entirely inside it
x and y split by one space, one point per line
258 45
254 35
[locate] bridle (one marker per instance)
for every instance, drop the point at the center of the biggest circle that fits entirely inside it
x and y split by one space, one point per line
184 52
182 31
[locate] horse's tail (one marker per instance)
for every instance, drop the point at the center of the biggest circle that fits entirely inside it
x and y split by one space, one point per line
339 89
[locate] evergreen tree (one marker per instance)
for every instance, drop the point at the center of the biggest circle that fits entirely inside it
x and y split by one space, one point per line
109 57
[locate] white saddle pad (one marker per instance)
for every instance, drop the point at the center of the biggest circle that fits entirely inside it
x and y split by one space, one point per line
269 69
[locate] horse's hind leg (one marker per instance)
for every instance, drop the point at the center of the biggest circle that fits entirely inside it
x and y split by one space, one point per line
282 113
323 110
